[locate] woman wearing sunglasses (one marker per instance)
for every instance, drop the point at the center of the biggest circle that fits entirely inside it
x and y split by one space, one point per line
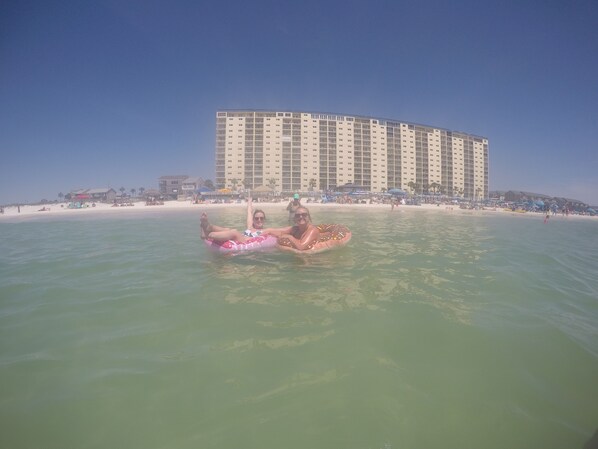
304 235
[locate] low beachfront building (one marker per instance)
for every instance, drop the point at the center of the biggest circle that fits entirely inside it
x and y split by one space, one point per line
305 151
178 186
518 196
102 195
190 187
171 186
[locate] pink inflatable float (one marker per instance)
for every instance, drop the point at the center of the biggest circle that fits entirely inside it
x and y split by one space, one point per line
259 243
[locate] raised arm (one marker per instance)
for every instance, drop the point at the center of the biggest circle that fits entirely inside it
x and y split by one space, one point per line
249 212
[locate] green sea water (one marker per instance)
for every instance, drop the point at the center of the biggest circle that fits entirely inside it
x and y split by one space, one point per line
429 330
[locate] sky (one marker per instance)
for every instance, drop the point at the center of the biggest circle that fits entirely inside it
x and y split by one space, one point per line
116 93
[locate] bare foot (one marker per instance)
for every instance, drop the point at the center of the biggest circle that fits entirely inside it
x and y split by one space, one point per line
205 225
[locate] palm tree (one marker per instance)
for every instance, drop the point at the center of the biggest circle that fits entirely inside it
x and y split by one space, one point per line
209 184
246 183
272 183
122 191
61 195
412 186
312 184
435 186
133 191
234 183
141 190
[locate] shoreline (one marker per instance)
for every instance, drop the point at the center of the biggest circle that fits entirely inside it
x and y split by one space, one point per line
61 210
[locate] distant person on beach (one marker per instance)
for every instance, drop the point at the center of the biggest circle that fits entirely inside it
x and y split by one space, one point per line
293 205
303 234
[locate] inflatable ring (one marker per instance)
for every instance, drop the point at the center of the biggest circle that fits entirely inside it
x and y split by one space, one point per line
259 243
332 236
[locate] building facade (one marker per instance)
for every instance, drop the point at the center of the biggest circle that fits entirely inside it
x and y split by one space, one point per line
302 151
104 195
170 186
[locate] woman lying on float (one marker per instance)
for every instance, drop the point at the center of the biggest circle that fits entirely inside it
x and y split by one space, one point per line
305 237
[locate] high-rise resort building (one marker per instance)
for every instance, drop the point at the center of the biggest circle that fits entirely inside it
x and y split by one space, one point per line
305 151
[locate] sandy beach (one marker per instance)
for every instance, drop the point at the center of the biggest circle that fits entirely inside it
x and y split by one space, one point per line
61 209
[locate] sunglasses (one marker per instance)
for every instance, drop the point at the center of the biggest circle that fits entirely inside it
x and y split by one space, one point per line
301 215
259 218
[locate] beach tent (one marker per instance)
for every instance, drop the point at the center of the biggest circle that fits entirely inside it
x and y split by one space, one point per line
261 191
152 193
397 192
360 193
224 193
203 189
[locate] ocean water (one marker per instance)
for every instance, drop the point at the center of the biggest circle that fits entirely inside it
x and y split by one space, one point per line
429 330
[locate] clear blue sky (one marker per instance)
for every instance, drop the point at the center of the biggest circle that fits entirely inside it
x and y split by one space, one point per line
112 93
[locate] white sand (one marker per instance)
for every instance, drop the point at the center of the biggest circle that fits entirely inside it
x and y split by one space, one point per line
61 209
